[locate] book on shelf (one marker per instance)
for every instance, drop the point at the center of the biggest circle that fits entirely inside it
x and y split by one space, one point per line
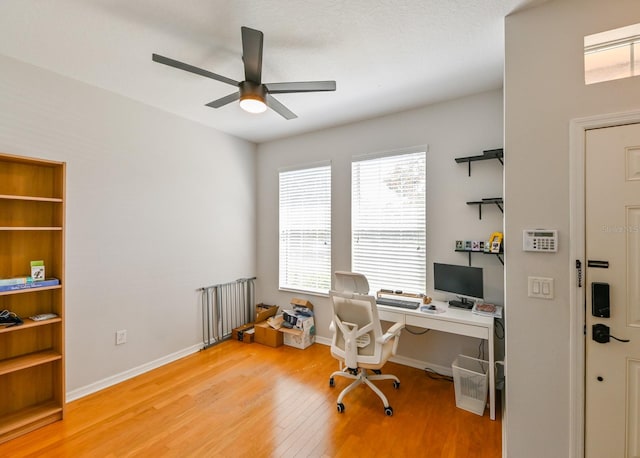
31 285
15 281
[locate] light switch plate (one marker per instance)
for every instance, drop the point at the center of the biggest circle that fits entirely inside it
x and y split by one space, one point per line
540 287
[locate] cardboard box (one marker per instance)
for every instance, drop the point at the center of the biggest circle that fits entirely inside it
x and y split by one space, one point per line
244 333
264 311
301 303
268 336
301 337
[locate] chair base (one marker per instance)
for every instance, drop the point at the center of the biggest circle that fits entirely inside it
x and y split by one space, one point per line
360 376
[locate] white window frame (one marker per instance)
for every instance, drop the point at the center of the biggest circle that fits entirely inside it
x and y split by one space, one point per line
304 206
401 262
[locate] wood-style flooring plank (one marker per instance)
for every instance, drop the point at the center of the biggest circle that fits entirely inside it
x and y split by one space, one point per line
236 400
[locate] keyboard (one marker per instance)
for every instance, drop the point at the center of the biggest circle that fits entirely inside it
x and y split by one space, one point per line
413 305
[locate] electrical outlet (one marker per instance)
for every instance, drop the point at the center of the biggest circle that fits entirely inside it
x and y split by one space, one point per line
121 337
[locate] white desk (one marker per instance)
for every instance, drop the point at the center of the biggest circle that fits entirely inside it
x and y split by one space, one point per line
456 321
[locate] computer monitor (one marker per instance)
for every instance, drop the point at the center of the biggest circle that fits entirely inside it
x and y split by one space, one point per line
464 281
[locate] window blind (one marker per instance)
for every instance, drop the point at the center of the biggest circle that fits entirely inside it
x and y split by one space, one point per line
388 221
305 229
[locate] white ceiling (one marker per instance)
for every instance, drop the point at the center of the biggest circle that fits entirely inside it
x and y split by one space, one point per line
385 55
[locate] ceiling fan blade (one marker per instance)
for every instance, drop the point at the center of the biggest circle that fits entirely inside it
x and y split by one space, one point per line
190 68
302 86
252 54
279 108
224 100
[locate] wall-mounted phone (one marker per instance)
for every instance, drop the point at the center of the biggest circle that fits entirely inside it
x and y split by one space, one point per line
540 240
600 300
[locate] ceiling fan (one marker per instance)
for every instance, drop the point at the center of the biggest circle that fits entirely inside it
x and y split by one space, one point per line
255 96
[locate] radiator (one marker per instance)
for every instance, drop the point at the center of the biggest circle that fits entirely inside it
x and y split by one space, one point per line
224 307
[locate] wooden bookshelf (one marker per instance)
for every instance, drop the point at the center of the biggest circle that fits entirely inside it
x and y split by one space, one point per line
32 362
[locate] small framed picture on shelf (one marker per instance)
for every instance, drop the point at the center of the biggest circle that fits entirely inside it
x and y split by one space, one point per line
459 245
495 247
475 245
467 245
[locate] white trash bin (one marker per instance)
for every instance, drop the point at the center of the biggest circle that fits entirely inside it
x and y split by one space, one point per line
471 381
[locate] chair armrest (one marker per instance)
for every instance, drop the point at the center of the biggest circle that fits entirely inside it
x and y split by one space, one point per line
393 331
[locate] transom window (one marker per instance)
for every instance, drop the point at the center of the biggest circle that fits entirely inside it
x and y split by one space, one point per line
612 55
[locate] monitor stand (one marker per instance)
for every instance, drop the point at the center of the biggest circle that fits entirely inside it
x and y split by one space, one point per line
463 304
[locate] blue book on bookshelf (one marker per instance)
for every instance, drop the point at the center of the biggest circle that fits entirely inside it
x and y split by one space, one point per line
31 285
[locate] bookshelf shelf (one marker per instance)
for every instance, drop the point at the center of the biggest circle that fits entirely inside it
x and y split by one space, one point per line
19 363
30 198
29 324
24 420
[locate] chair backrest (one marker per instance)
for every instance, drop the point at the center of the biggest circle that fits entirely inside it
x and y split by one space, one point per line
356 324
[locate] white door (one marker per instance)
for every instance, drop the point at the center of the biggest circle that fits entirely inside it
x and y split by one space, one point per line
612 385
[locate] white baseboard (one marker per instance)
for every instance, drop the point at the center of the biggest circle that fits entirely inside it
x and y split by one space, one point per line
126 375
122 376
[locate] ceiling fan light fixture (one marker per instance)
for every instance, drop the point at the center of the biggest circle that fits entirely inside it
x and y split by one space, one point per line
253 103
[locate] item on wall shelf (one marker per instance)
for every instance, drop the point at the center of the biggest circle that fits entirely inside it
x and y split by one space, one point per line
496 242
37 270
459 244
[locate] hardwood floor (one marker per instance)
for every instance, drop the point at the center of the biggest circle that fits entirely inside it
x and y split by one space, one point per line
236 400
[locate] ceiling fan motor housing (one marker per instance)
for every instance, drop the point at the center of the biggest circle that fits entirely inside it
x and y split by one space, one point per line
250 90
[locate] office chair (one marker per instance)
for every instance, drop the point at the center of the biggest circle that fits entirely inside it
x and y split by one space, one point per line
358 341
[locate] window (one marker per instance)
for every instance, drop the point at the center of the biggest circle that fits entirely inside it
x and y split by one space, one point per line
305 229
612 55
388 221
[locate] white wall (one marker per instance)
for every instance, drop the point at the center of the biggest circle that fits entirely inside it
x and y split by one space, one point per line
157 206
544 90
457 128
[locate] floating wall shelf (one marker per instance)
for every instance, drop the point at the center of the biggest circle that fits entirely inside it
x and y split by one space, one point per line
486 155
492 200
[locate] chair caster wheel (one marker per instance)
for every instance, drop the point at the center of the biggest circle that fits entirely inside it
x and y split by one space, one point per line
340 407
377 371
388 411
331 382
396 385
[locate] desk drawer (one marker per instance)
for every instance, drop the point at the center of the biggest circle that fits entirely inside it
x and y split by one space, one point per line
394 317
464 329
